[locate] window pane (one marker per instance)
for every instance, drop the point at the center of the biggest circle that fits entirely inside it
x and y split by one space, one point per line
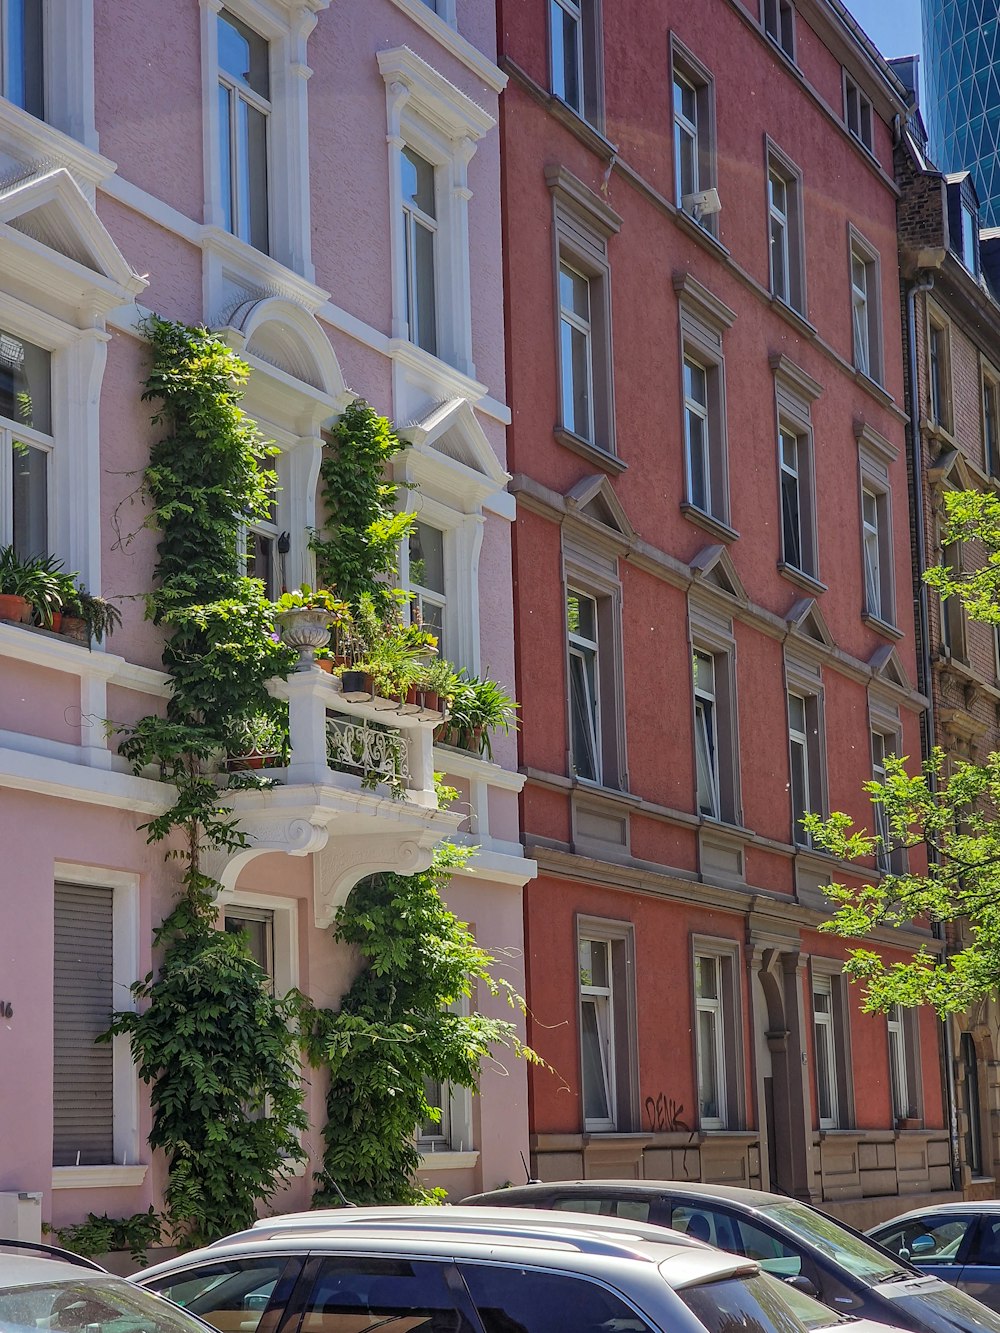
427 557
825 1062
791 518
225 155
243 54
708 800
31 507
358 1292
256 176
423 321
583 706
934 1239
25 373
706 978
741 1303
259 932
566 73
260 559
21 76
235 1290
596 1105
779 268
800 789
797 712
695 383
698 460
418 182
576 380
708 1064
581 616
510 1299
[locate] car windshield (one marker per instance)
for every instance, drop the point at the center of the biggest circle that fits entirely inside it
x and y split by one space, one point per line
858 1256
90 1305
814 1314
734 1304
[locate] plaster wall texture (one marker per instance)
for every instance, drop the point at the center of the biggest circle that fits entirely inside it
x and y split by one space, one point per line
149 116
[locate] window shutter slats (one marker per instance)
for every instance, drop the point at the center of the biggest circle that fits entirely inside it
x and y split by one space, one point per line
83 1082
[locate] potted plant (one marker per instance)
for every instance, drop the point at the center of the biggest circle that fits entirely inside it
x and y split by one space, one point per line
86 617
257 739
304 618
435 684
478 707
30 587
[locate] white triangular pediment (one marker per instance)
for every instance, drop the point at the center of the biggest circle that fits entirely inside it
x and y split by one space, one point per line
452 430
885 663
594 497
807 620
713 566
51 211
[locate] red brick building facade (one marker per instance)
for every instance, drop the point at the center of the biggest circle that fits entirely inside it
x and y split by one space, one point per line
713 595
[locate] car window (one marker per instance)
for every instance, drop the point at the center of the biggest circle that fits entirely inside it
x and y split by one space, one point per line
741 1303
520 1300
716 1226
770 1251
88 1304
809 1311
849 1251
986 1246
635 1209
935 1238
231 1295
353 1293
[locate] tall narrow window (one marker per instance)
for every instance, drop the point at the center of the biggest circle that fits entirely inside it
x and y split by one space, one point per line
697 435
876 537
970 239
687 175
710 1041
865 312
792 544
427 580
25 445
575 35
902 1106
21 64
244 110
419 233
576 353
805 760
991 425
883 853
256 924
826 1052
939 374
779 24
261 550
84 1000
953 635
597 1026
584 685
858 113
974 1126
705 736
777 196
859 306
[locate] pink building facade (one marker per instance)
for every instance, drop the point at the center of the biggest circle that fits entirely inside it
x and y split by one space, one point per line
321 185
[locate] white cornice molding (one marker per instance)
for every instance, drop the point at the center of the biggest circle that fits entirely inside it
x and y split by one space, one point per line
454 43
437 97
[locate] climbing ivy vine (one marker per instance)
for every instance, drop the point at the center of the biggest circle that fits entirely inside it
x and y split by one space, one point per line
214 1045
399 1026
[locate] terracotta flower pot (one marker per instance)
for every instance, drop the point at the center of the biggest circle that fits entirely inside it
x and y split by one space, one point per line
56 626
325 664
14 608
75 628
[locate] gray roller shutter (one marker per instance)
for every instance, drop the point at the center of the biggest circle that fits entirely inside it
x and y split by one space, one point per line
83 1079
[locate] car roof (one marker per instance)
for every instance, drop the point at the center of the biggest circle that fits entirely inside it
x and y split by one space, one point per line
959 1206
22 1270
500 1235
640 1189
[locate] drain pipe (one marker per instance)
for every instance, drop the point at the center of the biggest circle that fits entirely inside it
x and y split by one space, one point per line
923 629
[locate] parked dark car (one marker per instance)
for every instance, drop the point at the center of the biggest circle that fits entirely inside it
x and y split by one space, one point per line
957 1242
818 1254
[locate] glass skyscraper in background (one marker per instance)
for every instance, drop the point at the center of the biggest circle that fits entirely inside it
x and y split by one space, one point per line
962 89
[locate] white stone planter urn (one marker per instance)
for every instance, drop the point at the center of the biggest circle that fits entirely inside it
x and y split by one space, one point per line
306 629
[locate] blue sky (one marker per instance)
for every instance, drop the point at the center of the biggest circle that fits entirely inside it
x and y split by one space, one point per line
893 25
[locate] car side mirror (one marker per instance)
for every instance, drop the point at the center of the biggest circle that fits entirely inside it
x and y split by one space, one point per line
804 1284
922 1245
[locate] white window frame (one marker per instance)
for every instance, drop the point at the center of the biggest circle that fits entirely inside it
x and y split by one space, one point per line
703 322
127 1167
794 393
685 130
423 596
583 326
859 114
602 999
780 220
706 737
584 650
285 27
686 69
798 738
940 404
713 1006
574 12
899 1082
236 93
32 438
700 412
68 134
727 1014
4 45
826 1050
796 471
878 575
866 307
284 916
415 217
778 22
620 1050
433 118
